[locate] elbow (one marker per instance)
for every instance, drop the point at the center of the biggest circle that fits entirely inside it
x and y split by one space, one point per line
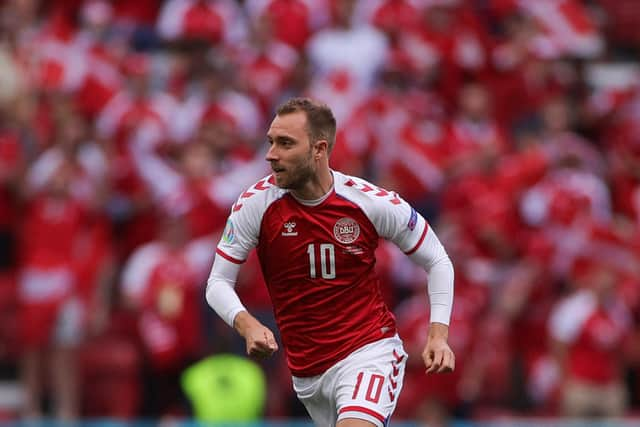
209 292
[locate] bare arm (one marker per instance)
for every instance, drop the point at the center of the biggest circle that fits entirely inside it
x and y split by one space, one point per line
259 339
437 355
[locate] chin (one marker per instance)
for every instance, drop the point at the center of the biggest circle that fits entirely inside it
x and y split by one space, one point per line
281 182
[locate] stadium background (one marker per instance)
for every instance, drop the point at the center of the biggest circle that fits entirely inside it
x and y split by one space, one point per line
128 129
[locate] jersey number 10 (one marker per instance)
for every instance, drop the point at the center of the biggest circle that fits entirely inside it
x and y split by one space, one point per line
327 260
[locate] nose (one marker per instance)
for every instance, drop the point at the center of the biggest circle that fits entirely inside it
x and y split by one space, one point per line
271 154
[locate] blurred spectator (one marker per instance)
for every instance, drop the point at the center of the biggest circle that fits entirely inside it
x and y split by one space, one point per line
589 328
216 21
357 50
292 21
50 292
162 284
475 136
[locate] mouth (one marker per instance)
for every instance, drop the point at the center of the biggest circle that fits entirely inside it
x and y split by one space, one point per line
277 169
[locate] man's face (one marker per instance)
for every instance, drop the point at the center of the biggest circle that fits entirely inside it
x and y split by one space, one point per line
291 153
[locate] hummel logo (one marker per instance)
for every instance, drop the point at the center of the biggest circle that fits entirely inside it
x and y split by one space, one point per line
290 226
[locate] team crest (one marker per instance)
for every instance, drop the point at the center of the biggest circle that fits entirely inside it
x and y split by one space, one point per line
346 230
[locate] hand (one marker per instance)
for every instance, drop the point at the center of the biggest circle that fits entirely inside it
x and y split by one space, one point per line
259 339
437 355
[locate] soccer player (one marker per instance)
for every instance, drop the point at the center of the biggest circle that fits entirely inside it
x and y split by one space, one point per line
315 231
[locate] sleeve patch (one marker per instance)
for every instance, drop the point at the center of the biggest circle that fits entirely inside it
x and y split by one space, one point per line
229 234
413 220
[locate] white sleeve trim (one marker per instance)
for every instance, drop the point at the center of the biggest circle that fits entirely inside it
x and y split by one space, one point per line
220 292
432 256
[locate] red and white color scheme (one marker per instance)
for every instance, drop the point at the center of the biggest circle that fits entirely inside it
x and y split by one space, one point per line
292 21
472 137
567 28
267 71
214 20
389 15
125 113
236 110
566 195
321 259
161 282
593 334
461 47
417 165
82 65
360 52
372 377
47 277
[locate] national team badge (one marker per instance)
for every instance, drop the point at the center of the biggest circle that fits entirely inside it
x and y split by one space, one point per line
229 234
346 230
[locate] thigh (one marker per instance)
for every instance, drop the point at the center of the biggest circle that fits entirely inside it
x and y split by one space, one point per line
355 422
614 400
370 381
316 400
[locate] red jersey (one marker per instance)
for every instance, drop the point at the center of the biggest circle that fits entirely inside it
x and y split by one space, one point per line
319 263
593 334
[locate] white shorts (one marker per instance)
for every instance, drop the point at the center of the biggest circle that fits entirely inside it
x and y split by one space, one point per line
364 385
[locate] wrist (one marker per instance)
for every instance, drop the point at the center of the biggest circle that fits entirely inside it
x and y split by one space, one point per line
242 322
438 331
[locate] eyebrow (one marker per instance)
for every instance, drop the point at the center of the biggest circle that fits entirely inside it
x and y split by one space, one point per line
282 138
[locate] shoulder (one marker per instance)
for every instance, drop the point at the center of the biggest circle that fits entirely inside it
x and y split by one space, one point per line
364 193
257 198
393 218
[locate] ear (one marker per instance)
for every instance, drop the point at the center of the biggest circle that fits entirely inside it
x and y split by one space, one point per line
321 148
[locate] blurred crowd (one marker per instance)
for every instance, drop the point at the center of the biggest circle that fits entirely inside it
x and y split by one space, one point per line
129 128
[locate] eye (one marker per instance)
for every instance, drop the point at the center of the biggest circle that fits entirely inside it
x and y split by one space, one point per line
287 143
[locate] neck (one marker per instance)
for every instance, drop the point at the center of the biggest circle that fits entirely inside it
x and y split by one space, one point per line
316 187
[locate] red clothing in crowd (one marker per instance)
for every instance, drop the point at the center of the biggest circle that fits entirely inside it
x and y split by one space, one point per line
593 334
217 21
47 258
170 320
